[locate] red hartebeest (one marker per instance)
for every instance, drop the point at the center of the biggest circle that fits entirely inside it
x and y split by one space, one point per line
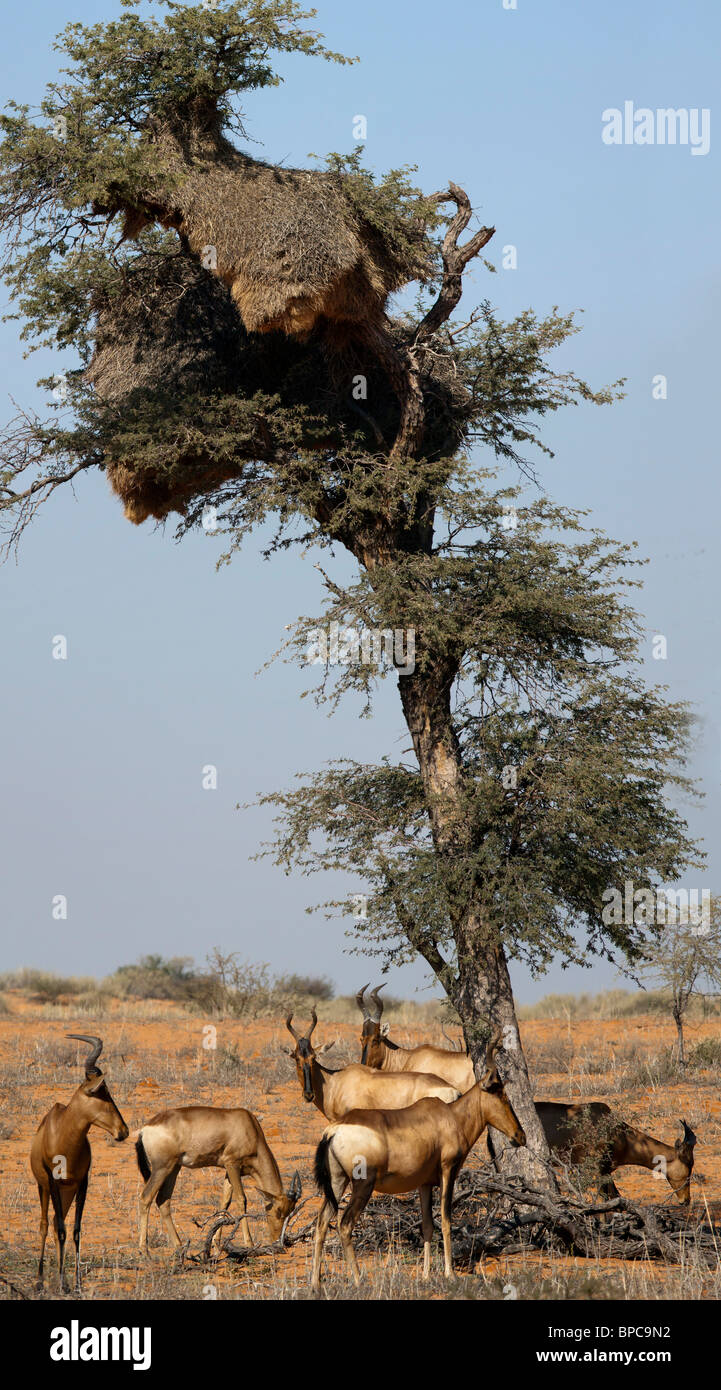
379 1052
397 1151
60 1155
357 1087
614 1145
201 1136
590 1130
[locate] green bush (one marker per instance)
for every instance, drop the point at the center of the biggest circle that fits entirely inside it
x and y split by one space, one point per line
154 977
307 986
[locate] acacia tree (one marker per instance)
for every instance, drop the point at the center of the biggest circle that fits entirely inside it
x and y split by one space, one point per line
539 765
684 956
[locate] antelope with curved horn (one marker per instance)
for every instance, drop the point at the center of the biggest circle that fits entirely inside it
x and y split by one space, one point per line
385 1056
356 1087
578 1132
423 1146
60 1155
200 1136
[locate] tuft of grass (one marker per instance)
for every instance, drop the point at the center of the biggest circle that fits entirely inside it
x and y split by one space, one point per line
705 1054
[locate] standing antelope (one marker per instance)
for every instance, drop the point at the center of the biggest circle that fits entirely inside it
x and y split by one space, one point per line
60 1155
397 1151
357 1087
578 1132
385 1056
200 1136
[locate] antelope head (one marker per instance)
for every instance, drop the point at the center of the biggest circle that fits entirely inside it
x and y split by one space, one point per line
279 1207
680 1168
305 1054
373 1039
98 1104
498 1109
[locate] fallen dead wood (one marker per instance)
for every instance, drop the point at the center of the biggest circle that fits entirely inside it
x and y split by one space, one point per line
15 1291
494 1215
244 1252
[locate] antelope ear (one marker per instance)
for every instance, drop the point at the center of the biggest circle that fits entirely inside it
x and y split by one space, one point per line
325 1047
287 1050
93 1084
385 1030
268 1197
688 1139
296 1187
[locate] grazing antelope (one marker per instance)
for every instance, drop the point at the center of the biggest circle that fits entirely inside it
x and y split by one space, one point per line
60 1155
397 1151
200 1136
569 1130
357 1087
380 1053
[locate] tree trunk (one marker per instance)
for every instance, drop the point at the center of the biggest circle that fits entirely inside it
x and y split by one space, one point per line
481 992
678 1020
485 997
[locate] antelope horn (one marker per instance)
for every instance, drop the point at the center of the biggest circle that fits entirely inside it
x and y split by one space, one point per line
291 1029
688 1135
312 1026
360 1001
377 1005
493 1047
96 1046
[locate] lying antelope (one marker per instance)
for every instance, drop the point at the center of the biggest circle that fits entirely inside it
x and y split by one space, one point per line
199 1136
385 1056
357 1087
569 1130
60 1155
397 1151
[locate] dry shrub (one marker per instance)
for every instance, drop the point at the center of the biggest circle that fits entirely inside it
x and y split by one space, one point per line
45 986
706 1053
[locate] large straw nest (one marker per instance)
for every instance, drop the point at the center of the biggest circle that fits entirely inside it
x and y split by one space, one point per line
290 244
174 368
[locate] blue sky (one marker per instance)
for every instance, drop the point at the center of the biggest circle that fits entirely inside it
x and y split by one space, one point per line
103 799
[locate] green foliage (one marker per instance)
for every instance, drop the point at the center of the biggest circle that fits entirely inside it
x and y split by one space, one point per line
541 647
393 206
307 986
84 154
154 977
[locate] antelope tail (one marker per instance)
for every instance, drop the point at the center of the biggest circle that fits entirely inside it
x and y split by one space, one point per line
322 1171
142 1157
